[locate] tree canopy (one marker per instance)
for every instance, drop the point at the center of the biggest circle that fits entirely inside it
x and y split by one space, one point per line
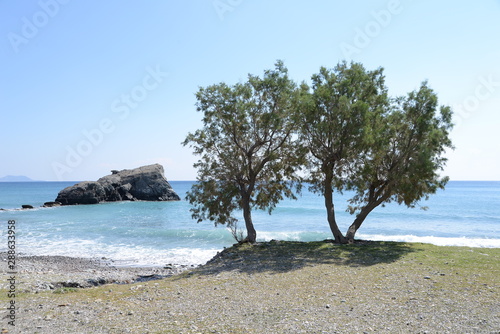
246 147
337 125
345 132
359 139
404 163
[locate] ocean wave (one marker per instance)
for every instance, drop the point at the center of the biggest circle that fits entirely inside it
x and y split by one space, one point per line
34 208
292 236
438 241
120 254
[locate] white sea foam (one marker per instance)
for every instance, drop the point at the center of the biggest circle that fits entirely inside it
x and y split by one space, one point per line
120 254
268 236
439 241
291 235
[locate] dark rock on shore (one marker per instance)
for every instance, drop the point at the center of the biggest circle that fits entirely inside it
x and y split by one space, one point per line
146 183
27 206
51 204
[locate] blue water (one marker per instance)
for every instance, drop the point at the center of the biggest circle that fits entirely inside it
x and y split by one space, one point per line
157 233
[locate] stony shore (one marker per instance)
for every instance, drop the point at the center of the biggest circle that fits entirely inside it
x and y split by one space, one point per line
275 287
44 273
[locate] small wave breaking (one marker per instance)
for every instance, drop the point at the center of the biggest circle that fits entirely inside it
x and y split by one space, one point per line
438 241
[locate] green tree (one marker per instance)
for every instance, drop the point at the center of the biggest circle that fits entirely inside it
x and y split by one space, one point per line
248 157
404 162
335 123
362 141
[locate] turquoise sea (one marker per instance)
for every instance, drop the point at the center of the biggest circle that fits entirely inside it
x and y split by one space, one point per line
467 213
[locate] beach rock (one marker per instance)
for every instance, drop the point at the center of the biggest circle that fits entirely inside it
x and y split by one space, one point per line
27 206
87 192
146 183
51 204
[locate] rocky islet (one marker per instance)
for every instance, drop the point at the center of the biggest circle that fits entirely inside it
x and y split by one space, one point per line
146 183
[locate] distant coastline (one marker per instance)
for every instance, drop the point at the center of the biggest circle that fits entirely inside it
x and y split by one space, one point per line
17 178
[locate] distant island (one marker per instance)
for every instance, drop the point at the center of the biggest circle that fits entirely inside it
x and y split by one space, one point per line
16 178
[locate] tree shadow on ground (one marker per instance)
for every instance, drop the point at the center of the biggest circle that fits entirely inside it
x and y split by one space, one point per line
286 256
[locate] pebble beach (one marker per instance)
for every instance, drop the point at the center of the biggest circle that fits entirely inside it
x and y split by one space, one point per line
272 287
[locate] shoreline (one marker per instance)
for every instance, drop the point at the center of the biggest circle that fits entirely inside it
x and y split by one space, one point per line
38 273
49 272
277 287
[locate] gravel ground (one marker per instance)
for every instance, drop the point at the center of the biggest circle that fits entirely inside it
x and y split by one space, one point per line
41 273
276 287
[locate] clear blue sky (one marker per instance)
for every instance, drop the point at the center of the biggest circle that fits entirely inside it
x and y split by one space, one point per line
90 86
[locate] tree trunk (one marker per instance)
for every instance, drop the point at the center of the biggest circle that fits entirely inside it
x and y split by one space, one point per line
247 215
330 211
359 220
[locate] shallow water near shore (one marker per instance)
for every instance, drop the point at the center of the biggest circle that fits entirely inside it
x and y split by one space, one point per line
157 233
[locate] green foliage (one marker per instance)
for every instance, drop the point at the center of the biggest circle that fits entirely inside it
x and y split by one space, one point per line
338 126
345 129
336 120
246 147
361 140
404 165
